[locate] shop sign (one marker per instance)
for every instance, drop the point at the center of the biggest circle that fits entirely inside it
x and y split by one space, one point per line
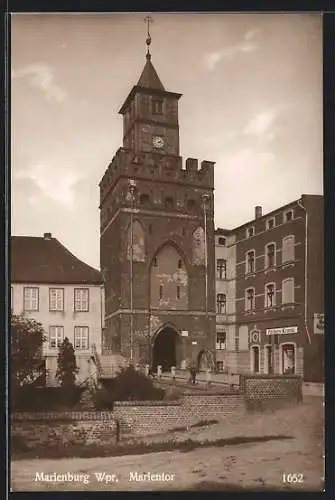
184 333
288 330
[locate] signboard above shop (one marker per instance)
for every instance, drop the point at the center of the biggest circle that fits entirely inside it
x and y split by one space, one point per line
319 323
288 330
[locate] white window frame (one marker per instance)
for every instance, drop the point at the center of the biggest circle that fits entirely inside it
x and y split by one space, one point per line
33 302
268 223
266 255
223 303
288 280
266 306
56 334
81 300
281 361
223 268
247 232
246 299
289 250
56 303
285 215
252 359
252 250
81 338
221 346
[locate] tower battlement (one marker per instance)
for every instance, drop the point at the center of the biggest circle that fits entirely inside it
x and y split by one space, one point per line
156 167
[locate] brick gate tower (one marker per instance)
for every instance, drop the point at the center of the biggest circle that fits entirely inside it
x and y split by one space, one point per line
157 237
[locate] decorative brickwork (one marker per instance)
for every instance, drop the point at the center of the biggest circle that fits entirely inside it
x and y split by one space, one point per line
263 387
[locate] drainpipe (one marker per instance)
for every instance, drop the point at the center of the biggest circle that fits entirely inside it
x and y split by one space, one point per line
306 268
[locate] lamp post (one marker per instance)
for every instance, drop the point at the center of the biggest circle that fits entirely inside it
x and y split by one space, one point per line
205 200
132 188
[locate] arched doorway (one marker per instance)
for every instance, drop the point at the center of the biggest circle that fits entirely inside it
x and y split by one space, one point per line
164 349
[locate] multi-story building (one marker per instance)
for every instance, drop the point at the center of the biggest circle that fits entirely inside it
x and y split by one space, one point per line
279 290
157 237
64 294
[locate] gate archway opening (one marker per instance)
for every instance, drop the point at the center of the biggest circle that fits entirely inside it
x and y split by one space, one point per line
165 349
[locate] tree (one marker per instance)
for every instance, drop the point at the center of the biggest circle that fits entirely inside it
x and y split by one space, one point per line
66 365
27 338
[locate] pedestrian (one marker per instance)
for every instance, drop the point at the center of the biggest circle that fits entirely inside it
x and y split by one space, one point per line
193 373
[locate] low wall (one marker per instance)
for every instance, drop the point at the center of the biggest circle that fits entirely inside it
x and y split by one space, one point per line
65 428
150 417
270 387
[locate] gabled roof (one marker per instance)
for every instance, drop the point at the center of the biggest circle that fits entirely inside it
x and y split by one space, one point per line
46 260
149 78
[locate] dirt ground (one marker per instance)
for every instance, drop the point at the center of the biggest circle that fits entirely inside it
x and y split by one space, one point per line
248 466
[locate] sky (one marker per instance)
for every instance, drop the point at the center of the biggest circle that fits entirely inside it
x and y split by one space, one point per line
252 103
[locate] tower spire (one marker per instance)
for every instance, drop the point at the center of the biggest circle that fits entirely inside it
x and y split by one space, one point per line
148 20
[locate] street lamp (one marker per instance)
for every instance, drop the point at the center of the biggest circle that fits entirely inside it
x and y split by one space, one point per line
132 188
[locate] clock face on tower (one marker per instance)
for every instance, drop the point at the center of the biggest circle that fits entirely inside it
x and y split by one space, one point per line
157 141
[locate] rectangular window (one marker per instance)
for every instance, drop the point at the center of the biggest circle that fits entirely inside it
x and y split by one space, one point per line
56 299
250 232
288 216
219 366
157 107
81 337
270 255
221 269
160 291
288 291
56 334
270 295
30 298
222 241
221 341
270 223
250 262
250 299
221 303
81 299
178 292
288 249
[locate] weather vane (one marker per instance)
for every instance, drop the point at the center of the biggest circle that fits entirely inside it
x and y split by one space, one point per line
148 20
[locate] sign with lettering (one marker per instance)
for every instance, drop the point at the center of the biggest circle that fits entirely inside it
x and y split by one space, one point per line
184 333
319 323
288 330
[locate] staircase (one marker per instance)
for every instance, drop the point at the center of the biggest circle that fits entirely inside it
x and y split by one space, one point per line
108 364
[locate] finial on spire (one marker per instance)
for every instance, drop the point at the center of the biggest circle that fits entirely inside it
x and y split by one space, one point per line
148 20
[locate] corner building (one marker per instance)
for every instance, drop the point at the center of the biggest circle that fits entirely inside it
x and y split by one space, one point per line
159 278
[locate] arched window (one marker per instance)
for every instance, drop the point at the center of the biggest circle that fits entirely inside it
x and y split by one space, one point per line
288 359
288 249
137 249
198 246
180 264
255 359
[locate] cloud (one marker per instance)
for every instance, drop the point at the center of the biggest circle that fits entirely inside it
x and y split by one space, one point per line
54 184
248 44
41 76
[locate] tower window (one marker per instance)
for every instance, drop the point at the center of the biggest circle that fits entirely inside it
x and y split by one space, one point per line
180 264
191 204
144 199
155 264
160 291
178 292
157 107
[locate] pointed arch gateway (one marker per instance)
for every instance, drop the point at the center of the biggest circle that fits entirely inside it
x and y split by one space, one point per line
165 347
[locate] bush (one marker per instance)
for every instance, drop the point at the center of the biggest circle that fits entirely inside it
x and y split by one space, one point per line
30 398
128 385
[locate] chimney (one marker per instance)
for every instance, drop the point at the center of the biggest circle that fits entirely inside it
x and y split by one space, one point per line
258 212
47 236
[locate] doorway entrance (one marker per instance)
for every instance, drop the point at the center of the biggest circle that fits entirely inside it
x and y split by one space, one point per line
164 349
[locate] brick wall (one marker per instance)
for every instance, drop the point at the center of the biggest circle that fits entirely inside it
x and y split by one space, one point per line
265 387
65 428
143 418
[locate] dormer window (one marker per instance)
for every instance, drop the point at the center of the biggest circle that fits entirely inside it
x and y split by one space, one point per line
288 216
250 232
157 107
270 223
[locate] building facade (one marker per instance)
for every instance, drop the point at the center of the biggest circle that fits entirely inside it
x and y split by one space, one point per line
157 237
53 287
279 291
